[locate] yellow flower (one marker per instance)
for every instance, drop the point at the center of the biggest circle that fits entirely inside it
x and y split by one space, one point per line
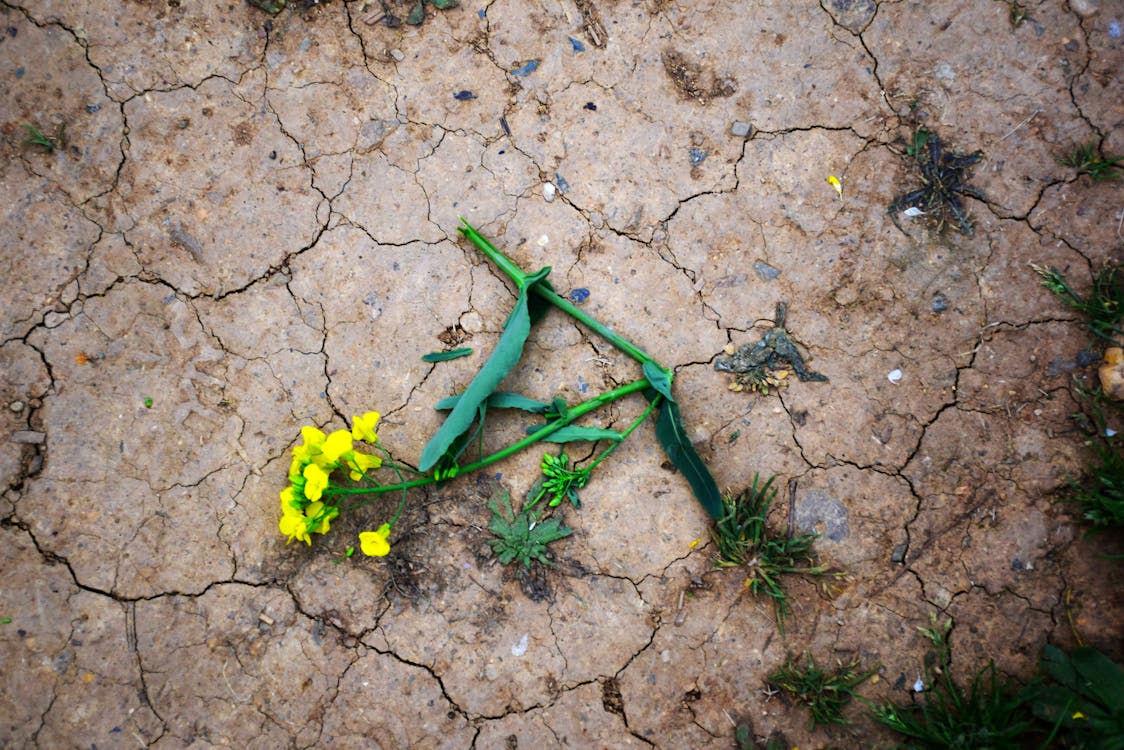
294 527
316 481
313 443
363 428
359 463
290 502
373 543
1078 715
337 444
316 511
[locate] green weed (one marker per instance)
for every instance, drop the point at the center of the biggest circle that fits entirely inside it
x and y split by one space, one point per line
825 693
522 536
1103 308
1085 699
48 142
743 539
1099 492
1088 159
991 714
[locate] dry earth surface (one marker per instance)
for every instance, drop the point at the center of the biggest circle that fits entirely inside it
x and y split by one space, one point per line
252 222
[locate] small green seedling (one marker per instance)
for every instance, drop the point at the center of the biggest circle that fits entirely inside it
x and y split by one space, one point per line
522 536
1018 13
825 693
743 539
48 142
1088 159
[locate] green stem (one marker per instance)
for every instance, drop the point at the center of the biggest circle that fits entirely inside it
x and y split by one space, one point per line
624 435
516 274
572 414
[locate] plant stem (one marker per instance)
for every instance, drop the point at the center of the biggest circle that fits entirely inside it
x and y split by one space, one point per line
572 414
516 274
624 435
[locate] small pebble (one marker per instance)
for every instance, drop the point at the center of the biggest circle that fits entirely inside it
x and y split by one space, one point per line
740 129
548 191
764 271
698 156
913 212
16 406
591 106
894 376
940 304
579 295
526 68
398 55
464 95
1084 8
92 108
29 437
898 555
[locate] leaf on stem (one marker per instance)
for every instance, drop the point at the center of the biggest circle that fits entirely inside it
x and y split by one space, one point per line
446 356
506 355
574 433
680 451
659 378
501 400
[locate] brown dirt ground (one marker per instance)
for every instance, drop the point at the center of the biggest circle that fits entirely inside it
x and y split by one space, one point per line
252 221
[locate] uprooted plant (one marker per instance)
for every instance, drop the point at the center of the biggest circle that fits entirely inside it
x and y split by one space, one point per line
329 476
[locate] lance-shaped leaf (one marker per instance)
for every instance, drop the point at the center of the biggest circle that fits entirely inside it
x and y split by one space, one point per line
573 433
659 378
500 400
446 356
507 353
680 451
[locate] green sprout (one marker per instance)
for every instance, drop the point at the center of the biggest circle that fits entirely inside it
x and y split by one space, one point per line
1088 159
522 536
50 143
825 693
1104 307
743 539
992 713
1018 13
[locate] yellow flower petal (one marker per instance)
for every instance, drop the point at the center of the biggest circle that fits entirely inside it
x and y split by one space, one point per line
316 481
337 444
360 463
373 543
363 428
294 527
835 183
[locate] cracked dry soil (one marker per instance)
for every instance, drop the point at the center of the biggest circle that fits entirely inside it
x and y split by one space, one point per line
252 222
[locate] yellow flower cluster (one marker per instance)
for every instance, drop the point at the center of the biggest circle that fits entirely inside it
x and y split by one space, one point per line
303 511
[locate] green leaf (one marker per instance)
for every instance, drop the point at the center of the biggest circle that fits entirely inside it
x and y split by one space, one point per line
680 451
417 15
1103 679
446 356
500 400
506 355
574 433
659 378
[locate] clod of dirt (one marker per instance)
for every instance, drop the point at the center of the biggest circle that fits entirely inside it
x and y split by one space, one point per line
767 363
1112 373
693 81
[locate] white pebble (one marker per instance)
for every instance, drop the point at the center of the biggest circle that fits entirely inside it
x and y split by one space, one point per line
913 212
398 55
548 191
894 376
520 648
